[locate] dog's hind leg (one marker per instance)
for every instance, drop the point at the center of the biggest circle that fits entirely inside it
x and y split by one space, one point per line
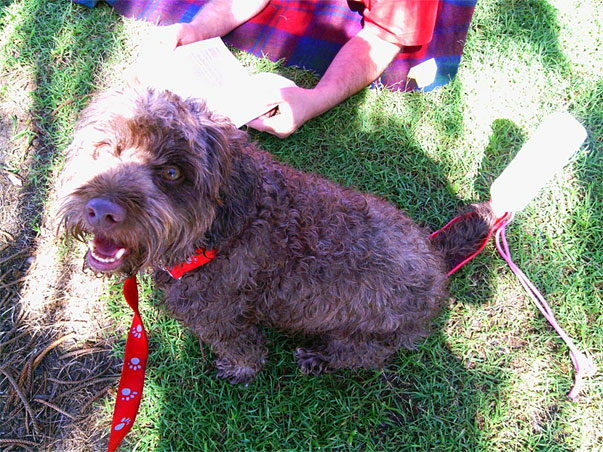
351 352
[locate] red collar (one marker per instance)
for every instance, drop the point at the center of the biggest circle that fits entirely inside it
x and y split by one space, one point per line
201 257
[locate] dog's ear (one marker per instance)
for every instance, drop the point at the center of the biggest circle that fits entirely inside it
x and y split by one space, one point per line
216 139
230 175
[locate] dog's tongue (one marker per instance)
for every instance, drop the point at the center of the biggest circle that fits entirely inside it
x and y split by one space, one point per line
105 246
105 255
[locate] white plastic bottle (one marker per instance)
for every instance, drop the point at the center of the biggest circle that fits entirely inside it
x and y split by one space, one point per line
549 149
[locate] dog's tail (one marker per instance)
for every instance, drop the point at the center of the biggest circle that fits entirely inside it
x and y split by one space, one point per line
464 235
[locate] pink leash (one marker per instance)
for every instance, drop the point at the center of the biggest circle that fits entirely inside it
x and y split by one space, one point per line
584 366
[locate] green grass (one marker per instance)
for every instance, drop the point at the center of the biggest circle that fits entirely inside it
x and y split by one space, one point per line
494 376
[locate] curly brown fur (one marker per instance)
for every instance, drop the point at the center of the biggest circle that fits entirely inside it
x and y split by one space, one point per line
158 177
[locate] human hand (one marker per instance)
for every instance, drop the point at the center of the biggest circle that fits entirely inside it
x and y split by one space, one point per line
293 106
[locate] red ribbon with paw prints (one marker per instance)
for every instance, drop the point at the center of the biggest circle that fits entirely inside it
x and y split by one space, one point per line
129 392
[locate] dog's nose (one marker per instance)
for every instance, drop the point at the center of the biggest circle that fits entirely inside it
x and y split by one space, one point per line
104 214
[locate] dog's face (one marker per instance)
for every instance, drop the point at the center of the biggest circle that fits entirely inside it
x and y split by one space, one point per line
142 180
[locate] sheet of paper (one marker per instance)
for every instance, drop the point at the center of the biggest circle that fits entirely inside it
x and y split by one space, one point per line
209 71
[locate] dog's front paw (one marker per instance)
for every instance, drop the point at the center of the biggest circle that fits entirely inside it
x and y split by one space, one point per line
312 362
234 373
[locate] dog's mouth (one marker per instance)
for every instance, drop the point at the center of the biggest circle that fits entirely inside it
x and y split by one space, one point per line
105 255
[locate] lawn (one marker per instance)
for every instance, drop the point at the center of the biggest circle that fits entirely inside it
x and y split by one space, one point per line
494 375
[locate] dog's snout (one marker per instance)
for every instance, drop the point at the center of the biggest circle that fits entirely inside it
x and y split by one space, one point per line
104 214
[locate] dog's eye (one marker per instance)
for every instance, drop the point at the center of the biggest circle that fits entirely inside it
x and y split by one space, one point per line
171 173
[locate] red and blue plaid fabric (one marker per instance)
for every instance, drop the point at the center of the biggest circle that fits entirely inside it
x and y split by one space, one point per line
309 33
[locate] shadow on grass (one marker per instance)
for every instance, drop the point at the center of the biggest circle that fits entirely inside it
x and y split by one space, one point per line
589 111
533 22
505 142
587 217
48 377
424 400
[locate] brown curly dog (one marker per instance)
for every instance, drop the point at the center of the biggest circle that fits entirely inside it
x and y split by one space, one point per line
150 178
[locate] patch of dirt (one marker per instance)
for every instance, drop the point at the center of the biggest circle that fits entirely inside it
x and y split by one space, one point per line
55 364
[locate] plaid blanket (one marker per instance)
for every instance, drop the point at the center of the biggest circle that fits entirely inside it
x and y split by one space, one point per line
309 33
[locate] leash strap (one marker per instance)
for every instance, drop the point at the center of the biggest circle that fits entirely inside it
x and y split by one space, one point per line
129 392
584 365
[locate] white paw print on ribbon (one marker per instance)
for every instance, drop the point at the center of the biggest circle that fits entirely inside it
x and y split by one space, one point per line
124 421
137 331
127 394
134 364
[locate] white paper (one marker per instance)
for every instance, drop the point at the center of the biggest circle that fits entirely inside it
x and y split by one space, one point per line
208 70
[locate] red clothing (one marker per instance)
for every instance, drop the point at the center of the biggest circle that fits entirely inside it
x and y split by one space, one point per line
403 22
